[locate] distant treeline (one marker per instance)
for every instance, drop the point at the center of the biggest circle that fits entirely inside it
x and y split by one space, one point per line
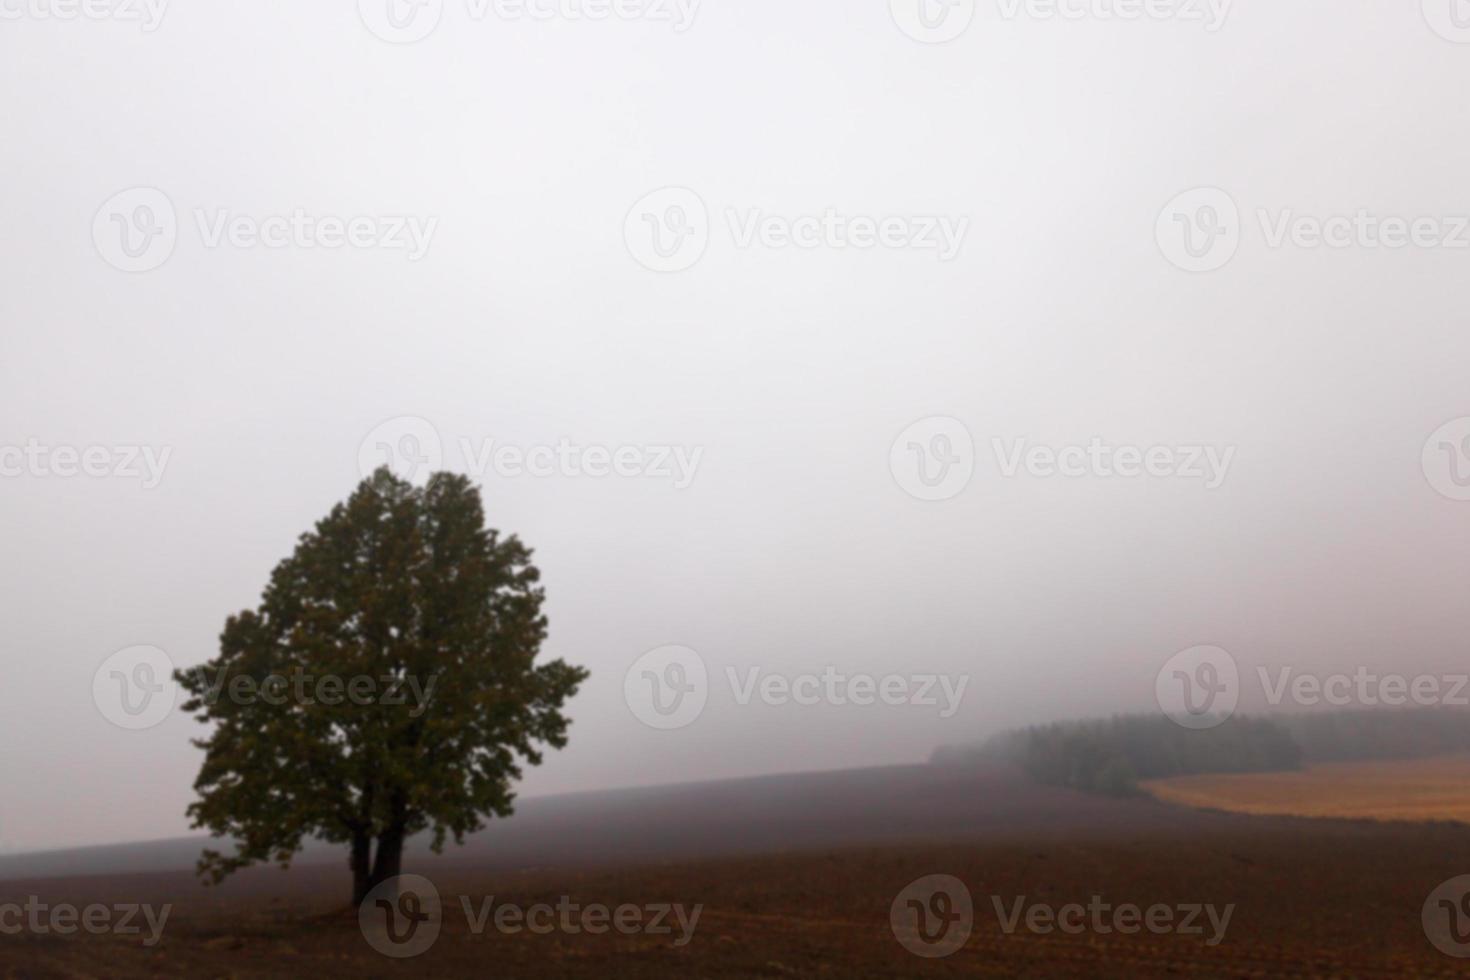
1412 733
1112 755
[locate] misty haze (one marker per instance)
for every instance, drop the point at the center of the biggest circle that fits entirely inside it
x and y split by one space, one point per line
667 488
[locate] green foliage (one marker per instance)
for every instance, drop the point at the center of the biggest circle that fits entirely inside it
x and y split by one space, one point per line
1397 733
1116 778
408 587
1110 756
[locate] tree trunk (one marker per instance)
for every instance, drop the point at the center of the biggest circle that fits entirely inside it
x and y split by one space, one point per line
361 883
389 861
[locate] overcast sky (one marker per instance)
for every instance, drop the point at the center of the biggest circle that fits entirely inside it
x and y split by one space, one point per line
794 259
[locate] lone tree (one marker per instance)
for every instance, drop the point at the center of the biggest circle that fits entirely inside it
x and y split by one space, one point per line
385 686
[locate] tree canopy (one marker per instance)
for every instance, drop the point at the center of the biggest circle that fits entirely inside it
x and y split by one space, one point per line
386 685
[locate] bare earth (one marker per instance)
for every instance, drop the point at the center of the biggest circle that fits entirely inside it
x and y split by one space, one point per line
1417 789
1310 898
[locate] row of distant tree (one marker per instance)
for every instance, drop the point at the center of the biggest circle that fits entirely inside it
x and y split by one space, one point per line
1112 755
1344 736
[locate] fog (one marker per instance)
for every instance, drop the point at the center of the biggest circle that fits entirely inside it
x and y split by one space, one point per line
771 524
